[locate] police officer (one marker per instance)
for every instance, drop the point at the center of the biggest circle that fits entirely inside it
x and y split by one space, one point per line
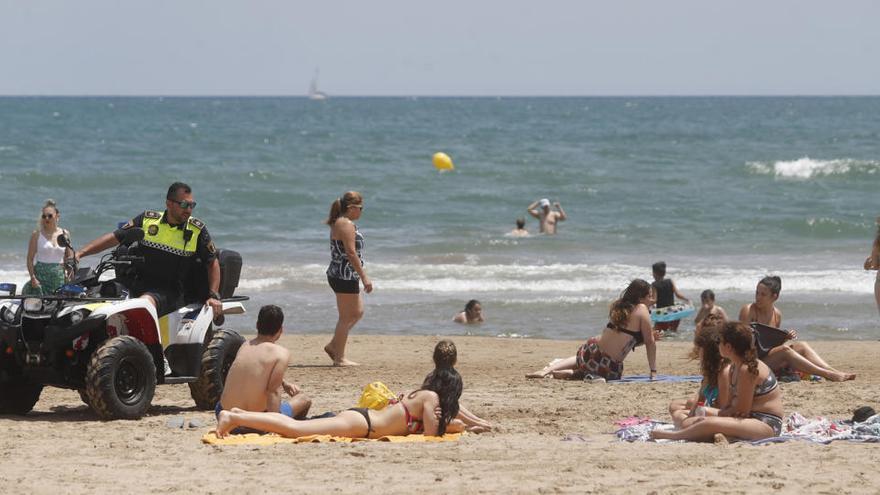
172 241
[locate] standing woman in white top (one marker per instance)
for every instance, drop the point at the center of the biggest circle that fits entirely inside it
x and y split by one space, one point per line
45 258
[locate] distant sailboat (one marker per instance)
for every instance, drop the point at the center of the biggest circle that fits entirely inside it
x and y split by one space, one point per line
314 94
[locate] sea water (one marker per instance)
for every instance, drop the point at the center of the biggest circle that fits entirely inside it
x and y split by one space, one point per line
724 189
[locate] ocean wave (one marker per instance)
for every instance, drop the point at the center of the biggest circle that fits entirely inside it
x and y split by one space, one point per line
808 168
558 283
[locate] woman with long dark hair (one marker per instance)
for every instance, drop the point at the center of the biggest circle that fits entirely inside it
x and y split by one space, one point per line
414 412
346 271
714 387
754 409
601 357
794 355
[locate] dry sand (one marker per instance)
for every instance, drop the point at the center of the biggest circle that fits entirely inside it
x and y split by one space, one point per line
62 448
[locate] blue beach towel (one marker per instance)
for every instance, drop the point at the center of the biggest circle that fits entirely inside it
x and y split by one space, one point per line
660 378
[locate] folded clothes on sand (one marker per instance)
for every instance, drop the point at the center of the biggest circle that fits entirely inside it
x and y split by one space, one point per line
271 439
795 427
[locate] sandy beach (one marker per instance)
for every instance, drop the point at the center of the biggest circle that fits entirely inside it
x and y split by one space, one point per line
61 447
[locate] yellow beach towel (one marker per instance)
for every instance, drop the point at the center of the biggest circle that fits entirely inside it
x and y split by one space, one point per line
271 439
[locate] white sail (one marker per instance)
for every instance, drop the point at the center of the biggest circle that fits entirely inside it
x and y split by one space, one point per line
314 94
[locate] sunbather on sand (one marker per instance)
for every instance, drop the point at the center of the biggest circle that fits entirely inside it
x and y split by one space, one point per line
446 356
754 410
603 355
714 387
433 409
798 355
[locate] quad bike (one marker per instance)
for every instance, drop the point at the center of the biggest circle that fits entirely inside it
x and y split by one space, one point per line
92 337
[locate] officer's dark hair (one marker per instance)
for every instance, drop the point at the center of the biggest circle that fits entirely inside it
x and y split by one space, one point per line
659 269
269 320
177 186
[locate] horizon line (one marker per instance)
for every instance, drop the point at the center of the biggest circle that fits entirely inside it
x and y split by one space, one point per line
305 96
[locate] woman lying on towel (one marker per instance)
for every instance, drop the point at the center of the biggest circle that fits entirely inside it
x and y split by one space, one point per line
602 356
797 355
714 389
413 413
754 410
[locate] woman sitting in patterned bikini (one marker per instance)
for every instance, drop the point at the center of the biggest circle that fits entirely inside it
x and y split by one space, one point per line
431 410
714 387
602 356
754 410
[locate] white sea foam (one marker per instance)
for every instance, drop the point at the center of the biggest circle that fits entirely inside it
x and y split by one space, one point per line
257 284
807 168
558 283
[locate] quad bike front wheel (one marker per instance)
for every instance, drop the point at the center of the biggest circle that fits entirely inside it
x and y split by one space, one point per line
216 360
121 379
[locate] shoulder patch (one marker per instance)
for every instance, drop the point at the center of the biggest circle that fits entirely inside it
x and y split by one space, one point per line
129 224
152 214
196 222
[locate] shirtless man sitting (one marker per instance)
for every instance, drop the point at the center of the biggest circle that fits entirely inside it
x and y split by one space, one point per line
546 217
256 377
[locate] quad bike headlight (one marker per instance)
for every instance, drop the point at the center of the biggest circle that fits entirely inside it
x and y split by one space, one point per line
7 315
76 317
33 304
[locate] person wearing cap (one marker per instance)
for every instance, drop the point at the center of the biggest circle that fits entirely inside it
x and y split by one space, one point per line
547 218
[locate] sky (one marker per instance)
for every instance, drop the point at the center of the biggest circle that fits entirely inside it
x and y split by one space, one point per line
449 48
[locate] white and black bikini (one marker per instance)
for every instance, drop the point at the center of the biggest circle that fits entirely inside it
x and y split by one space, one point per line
340 274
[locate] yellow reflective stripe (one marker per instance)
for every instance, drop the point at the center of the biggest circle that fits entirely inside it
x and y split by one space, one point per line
162 236
163 331
92 307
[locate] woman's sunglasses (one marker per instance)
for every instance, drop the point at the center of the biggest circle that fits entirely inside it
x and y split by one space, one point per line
48 216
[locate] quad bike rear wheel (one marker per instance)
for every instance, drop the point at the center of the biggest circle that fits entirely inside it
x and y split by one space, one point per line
216 360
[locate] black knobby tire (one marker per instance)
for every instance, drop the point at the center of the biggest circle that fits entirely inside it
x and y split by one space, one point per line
216 360
84 395
121 379
18 395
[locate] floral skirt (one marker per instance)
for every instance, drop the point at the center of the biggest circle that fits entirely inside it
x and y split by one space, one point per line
51 277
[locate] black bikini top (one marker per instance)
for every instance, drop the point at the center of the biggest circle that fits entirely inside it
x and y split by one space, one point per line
638 338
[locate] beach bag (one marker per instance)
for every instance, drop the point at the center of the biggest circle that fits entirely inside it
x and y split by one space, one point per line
376 396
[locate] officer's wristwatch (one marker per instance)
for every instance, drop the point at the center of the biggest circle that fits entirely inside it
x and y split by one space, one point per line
214 295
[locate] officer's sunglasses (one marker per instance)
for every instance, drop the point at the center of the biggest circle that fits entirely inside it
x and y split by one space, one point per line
186 205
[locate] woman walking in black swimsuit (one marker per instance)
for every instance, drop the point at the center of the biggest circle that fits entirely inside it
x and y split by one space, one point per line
346 271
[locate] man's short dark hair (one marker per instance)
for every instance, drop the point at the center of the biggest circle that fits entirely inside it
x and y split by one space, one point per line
177 186
659 268
269 320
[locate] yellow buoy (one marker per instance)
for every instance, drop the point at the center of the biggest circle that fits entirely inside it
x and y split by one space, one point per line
442 161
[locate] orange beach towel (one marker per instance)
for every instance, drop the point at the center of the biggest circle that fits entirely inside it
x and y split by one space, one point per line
271 439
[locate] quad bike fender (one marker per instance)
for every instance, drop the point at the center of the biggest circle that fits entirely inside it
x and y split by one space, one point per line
233 308
135 317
